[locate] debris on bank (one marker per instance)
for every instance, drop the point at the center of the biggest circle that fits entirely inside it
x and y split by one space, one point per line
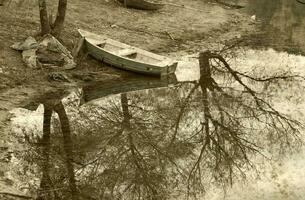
60 77
47 53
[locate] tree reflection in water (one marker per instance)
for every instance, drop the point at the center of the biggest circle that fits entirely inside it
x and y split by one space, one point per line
166 143
234 118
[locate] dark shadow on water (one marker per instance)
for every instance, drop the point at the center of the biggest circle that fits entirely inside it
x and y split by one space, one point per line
283 24
134 83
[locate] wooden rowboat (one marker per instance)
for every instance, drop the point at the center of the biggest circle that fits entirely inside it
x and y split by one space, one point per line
125 56
142 4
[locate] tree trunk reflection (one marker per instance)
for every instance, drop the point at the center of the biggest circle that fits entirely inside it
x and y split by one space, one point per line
68 146
47 190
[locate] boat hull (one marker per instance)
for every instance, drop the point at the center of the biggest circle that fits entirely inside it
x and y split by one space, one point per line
142 4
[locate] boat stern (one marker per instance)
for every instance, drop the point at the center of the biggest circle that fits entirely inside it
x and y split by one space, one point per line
170 69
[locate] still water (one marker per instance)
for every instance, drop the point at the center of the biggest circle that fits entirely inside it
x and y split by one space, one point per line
168 138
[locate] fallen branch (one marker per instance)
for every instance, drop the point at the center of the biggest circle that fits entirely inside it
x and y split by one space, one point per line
171 37
182 6
301 2
78 47
16 195
229 5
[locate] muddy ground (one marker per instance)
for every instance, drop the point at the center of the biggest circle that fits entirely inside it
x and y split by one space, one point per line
172 31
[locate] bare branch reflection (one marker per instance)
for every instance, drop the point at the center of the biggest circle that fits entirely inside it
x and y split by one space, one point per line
165 142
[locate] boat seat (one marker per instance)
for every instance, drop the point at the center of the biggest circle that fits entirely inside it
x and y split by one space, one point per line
163 63
126 52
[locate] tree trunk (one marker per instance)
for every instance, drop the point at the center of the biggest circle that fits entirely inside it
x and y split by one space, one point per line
44 20
60 18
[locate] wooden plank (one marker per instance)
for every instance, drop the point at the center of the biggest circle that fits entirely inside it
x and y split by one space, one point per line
78 47
126 52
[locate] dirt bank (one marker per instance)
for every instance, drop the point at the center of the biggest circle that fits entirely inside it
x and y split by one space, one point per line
172 31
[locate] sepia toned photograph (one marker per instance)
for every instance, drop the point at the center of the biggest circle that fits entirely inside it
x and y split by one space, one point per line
152 99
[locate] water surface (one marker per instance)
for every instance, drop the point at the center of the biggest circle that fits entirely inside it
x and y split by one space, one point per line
156 138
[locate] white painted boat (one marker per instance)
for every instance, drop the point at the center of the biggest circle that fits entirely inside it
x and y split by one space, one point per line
125 56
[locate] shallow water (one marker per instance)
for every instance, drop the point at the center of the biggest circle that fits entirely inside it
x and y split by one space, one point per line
149 138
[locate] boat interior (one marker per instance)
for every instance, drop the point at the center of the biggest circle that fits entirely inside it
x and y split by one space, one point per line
130 53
